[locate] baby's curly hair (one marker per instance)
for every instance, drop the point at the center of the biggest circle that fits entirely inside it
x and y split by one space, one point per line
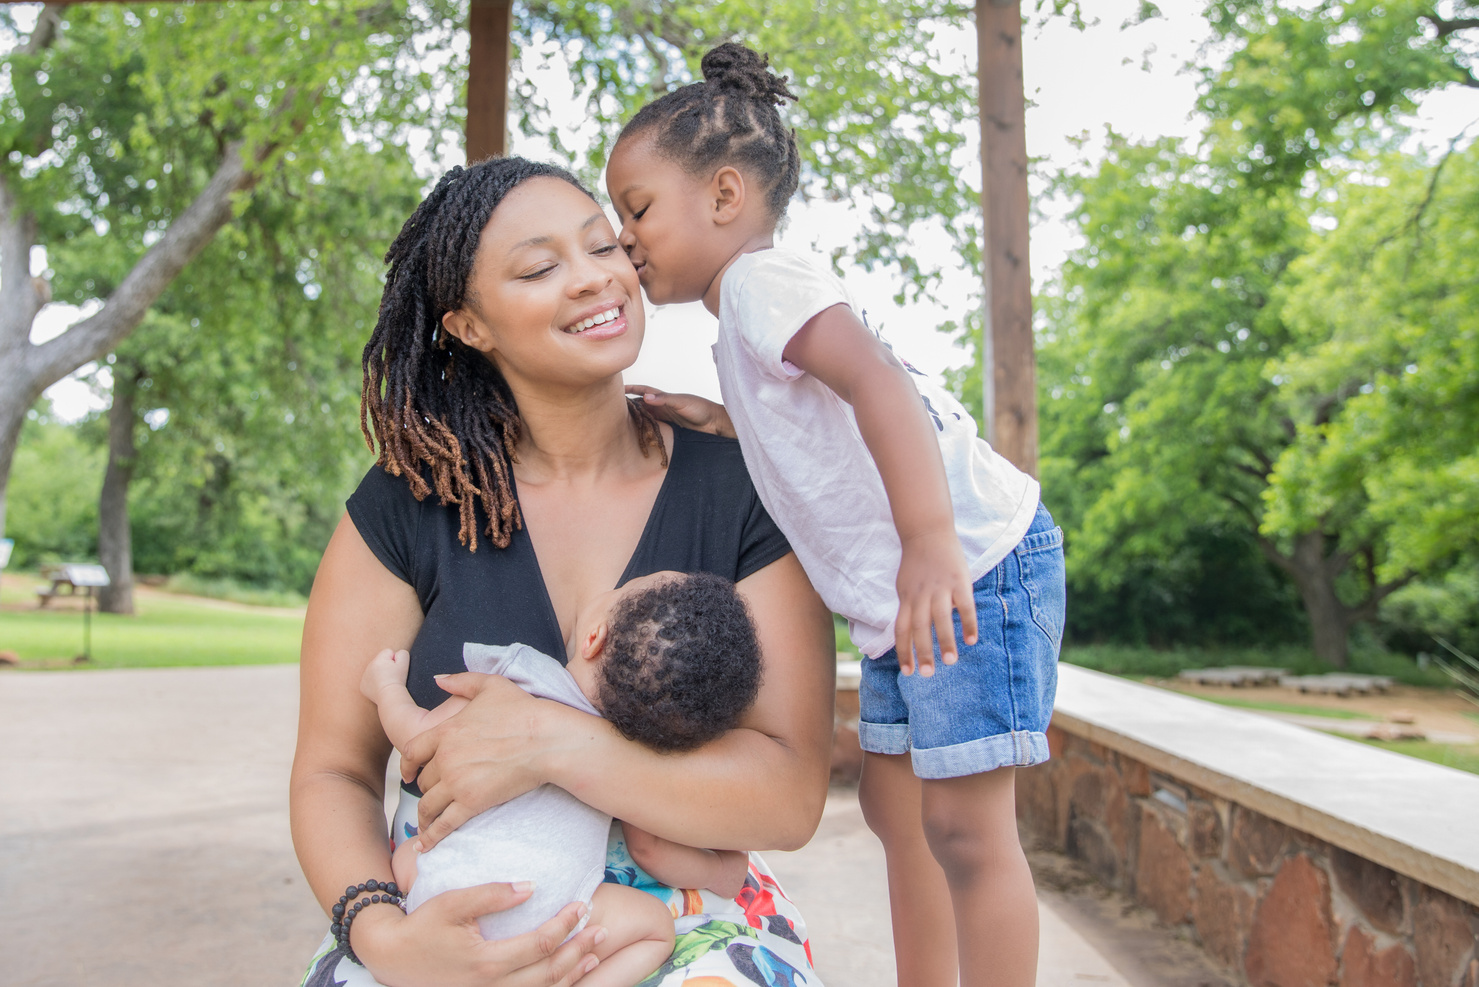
682 663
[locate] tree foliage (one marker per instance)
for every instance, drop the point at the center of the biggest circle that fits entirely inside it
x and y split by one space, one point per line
1268 338
123 150
1384 315
249 378
881 121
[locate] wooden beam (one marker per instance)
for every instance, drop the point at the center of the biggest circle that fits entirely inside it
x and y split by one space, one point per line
489 23
1009 374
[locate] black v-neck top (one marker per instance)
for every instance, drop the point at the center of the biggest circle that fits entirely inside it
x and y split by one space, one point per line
707 518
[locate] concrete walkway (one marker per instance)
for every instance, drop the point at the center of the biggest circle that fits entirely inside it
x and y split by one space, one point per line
144 841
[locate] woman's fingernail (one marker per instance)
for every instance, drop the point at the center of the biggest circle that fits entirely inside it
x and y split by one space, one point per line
583 911
590 964
600 936
522 886
442 676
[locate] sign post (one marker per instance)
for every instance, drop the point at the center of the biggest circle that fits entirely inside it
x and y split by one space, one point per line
87 578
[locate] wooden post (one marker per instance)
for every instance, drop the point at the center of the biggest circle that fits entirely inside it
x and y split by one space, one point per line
487 79
1009 377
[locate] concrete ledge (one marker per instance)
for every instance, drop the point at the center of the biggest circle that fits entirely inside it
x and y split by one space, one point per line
1416 818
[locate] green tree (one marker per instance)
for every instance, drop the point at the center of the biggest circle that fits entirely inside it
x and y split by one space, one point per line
879 121
121 144
1197 372
53 501
1384 315
235 403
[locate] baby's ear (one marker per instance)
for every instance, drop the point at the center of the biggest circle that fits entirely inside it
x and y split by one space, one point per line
595 642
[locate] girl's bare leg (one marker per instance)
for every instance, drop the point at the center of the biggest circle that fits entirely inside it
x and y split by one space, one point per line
639 936
918 895
971 826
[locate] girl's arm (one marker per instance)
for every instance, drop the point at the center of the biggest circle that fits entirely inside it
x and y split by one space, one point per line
836 348
679 866
336 795
761 785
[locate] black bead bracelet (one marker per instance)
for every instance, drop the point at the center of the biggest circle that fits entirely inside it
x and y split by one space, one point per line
380 892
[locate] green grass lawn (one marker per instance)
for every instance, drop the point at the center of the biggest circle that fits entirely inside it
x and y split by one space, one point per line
165 631
1464 757
1137 661
1268 707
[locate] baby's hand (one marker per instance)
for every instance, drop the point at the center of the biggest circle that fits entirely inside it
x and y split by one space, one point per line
688 410
933 580
388 668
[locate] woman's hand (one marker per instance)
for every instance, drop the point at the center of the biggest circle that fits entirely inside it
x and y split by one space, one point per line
439 943
485 755
688 410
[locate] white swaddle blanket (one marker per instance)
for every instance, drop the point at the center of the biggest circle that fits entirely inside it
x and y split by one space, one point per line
547 836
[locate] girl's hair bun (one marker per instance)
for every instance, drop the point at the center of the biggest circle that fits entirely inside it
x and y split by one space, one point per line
733 66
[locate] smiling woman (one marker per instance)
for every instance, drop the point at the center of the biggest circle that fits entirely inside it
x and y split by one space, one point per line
493 390
431 294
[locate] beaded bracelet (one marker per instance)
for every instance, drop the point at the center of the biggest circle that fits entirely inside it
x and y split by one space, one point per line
344 914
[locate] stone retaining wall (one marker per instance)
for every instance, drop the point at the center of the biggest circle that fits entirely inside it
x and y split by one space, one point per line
1276 905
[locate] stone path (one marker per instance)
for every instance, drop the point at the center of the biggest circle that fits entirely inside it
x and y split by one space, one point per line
144 841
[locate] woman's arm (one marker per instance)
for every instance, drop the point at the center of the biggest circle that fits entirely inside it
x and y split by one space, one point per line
356 608
773 768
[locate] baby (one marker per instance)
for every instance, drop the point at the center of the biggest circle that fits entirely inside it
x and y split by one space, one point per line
670 660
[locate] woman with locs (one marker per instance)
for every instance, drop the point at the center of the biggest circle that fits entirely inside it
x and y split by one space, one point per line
515 480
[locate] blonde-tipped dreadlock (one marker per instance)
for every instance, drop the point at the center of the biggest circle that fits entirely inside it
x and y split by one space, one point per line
437 408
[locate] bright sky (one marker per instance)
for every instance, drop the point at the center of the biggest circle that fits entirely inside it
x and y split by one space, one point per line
1131 80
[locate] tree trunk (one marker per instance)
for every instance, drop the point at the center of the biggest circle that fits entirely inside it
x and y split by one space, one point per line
1314 573
1330 620
115 543
12 417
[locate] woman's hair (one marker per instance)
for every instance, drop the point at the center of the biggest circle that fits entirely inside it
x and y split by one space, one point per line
682 663
441 412
730 117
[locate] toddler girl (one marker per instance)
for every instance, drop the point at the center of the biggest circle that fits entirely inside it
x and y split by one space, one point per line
908 524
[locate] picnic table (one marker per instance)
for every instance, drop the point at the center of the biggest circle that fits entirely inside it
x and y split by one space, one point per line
1236 676
67 579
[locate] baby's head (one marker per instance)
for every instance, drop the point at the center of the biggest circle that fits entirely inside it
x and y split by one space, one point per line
702 170
670 659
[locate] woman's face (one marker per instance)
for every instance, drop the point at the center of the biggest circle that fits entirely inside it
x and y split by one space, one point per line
552 298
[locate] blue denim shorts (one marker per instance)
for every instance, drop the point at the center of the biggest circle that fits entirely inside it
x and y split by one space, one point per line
991 708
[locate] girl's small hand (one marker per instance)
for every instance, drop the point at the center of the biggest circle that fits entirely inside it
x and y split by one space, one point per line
479 758
933 580
688 410
440 943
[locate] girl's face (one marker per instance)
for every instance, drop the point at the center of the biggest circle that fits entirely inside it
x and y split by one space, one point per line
552 298
666 223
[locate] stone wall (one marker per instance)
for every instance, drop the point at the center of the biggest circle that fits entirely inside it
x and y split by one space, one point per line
1275 905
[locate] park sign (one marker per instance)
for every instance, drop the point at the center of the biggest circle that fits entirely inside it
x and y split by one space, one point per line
81 575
